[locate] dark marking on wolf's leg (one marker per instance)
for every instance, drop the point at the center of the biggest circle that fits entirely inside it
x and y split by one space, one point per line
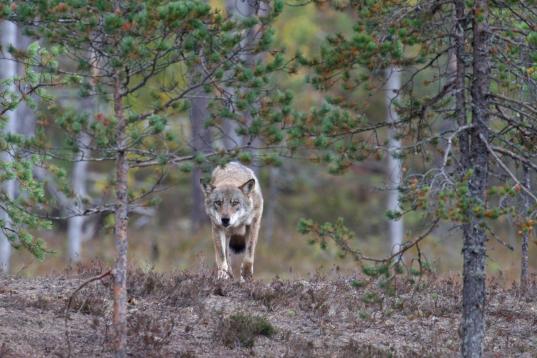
237 243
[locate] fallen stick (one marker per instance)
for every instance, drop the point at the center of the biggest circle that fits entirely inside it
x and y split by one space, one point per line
85 283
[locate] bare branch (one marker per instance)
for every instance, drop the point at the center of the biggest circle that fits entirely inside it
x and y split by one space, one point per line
507 170
450 140
515 156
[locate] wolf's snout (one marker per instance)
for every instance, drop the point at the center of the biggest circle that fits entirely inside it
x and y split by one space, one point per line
225 222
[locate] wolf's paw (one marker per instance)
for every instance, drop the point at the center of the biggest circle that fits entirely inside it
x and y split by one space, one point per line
223 275
247 271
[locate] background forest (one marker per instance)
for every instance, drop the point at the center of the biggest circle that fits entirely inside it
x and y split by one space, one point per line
174 234
386 135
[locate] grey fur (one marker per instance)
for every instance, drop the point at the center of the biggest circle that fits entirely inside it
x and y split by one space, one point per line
234 203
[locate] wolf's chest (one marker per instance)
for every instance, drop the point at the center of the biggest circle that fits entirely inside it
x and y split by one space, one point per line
239 231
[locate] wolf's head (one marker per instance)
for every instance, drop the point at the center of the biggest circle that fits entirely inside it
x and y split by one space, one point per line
227 205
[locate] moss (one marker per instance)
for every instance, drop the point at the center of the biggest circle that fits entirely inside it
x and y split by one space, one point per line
241 329
358 283
370 297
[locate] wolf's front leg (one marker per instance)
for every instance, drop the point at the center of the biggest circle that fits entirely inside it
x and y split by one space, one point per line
247 266
220 249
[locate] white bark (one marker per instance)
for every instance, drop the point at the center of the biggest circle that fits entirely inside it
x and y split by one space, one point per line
244 9
237 9
395 172
8 68
75 225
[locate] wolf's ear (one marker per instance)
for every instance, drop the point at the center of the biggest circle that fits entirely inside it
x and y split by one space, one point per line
247 187
206 187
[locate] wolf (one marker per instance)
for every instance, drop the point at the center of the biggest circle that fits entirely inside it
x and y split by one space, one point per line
234 203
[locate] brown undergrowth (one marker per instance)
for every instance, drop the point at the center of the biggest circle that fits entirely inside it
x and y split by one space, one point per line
190 314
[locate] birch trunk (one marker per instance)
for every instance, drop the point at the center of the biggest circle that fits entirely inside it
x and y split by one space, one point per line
75 225
26 119
120 270
474 250
395 165
8 68
239 10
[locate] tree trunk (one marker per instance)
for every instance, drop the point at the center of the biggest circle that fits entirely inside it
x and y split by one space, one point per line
241 10
78 180
120 270
460 85
396 228
8 68
474 250
270 205
201 141
529 94
524 246
26 119
230 138
75 225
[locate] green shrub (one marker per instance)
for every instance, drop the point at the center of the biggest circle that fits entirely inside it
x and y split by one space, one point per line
241 329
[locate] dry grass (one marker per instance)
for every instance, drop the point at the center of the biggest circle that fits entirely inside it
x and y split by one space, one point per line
189 314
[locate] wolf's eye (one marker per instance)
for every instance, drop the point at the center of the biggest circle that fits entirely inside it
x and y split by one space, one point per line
218 203
234 202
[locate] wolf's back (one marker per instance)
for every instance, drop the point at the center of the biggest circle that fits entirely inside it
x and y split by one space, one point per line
233 173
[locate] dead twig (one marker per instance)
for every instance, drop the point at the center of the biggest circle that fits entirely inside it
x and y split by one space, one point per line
504 167
68 305
343 244
406 246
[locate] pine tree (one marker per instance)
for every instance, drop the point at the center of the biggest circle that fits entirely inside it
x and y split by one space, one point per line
478 177
17 91
166 51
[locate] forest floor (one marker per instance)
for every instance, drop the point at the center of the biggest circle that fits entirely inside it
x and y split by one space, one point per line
186 314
